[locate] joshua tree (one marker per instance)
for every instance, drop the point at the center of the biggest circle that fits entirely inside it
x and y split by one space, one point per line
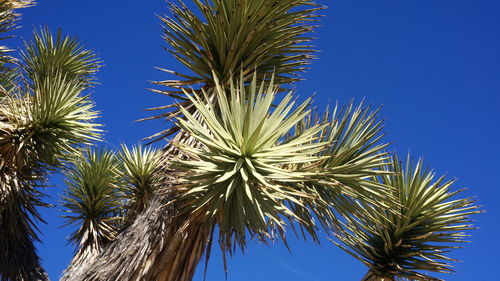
234 38
44 118
243 161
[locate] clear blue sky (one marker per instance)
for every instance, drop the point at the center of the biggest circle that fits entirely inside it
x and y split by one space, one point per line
433 64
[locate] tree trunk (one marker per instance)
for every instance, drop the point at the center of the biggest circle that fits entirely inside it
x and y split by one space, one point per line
160 245
83 256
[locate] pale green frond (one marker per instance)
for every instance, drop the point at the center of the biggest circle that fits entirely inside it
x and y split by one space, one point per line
46 127
239 179
92 199
140 178
355 153
47 55
429 222
234 37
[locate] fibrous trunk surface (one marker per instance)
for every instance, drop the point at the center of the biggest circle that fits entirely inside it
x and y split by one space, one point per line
159 245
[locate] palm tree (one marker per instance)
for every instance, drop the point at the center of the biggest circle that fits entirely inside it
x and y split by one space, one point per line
44 118
429 222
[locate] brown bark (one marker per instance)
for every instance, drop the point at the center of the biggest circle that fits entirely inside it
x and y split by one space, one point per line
160 245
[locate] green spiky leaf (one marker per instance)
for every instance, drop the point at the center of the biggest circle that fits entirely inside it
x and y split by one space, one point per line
141 179
429 222
355 154
236 38
238 179
42 125
47 55
92 200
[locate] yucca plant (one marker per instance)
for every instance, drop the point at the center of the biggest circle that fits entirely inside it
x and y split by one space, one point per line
44 119
239 180
92 201
248 175
233 38
245 163
243 176
105 192
407 244
264 35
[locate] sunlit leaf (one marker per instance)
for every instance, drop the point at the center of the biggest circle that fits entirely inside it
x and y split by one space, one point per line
429 222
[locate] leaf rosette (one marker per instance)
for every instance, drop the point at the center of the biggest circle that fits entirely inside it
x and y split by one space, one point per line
239 177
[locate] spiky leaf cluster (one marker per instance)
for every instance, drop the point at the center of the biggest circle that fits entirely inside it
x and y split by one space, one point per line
92 200
104 194
140 178
47 55
44 119
229 38
353 155
46 126
238 180
428 222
